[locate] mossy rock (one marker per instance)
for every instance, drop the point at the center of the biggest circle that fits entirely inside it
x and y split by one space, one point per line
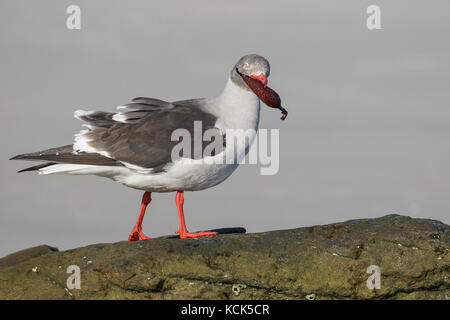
320 262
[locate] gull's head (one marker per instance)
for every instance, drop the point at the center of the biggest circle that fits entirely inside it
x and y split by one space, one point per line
252 65
251 73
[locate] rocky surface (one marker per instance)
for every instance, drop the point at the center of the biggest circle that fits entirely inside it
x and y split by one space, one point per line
319 262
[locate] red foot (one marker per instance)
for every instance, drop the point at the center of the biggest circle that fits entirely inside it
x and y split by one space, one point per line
182 230
186 234
137 235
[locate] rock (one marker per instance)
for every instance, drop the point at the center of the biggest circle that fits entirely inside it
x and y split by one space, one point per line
319 262
23 255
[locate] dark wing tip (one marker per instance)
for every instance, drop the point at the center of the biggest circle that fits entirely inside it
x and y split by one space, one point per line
18 157
39 166
24 156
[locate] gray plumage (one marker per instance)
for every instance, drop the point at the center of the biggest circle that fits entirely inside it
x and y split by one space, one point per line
142 137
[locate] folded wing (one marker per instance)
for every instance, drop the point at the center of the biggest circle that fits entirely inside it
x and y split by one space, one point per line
137 136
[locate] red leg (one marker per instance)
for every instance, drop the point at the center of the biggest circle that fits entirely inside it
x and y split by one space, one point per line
182 230
137 234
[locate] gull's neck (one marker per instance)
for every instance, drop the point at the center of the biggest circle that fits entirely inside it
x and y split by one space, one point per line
237 107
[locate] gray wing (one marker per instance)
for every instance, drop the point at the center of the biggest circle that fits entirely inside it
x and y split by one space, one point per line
140 133
65 154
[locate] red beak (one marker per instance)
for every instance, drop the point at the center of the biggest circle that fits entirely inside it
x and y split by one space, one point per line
261 78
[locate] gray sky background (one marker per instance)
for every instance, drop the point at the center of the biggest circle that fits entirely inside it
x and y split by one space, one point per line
367 133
